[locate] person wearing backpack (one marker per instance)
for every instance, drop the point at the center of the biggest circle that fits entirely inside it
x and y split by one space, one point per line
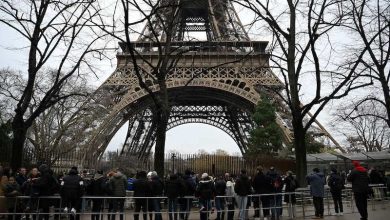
186 203
277 187
316 180
205 191
97 188
335 182
290 198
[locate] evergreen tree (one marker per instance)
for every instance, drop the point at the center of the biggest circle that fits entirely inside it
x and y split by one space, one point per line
266 138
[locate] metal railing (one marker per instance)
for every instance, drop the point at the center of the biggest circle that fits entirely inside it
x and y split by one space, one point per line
54 206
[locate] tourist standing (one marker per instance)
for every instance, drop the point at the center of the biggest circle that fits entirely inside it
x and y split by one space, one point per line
316 181
242 189
157 187
186 203
277 187
11 191
290 198
205 191
230 196
141 189
98 188
262 185
173 189
21 177
220 190
336 185
360 180
118 186
72 189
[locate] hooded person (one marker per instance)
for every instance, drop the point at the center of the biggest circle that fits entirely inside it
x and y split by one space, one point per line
360 188
316 180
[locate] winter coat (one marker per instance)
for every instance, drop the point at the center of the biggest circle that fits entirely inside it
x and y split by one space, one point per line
205 189
11 191
118 185
98 186
72 186
230 191
142 188
21 179
174 188
316 182
220 187
262 184
276 181
157 186
190 185
336 183
359 180
291 184
242 186
45 185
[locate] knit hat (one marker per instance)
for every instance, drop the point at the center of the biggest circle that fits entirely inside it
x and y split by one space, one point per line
204 175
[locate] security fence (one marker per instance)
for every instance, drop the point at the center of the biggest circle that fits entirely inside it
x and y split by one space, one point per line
54 207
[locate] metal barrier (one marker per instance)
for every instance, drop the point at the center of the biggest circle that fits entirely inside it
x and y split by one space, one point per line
88 206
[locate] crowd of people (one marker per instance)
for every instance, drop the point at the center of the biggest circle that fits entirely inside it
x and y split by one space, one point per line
220 194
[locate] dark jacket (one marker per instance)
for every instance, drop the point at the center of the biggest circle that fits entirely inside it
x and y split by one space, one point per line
336 183
46 184
317 182
98 186
291 185
118 185
142 188
11 191
190 185
72 186
174 187
262 183
242 186
205 189
21 179
220 187
359 180
276 181
157 186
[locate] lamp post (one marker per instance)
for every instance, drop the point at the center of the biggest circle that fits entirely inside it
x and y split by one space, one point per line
173 162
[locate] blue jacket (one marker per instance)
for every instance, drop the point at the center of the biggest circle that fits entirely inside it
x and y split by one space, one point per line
317 182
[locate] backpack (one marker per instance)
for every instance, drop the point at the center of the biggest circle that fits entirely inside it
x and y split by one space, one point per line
336 183
277 182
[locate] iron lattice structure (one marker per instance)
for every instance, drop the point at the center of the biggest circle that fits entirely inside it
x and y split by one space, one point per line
214 82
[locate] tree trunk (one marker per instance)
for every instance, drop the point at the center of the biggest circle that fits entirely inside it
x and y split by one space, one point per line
300 153
19 137
161 129
386 94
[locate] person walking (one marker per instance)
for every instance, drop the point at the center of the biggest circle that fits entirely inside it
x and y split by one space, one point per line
242 189
276 199
291 185
205 191
360 188
336 185
316 181
262 185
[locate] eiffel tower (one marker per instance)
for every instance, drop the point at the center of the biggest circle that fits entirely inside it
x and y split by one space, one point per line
216 82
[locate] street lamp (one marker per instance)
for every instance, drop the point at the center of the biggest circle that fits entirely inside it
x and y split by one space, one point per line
173 162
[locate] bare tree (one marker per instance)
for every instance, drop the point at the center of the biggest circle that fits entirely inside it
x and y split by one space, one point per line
301 30
51 29
363 129
369 23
